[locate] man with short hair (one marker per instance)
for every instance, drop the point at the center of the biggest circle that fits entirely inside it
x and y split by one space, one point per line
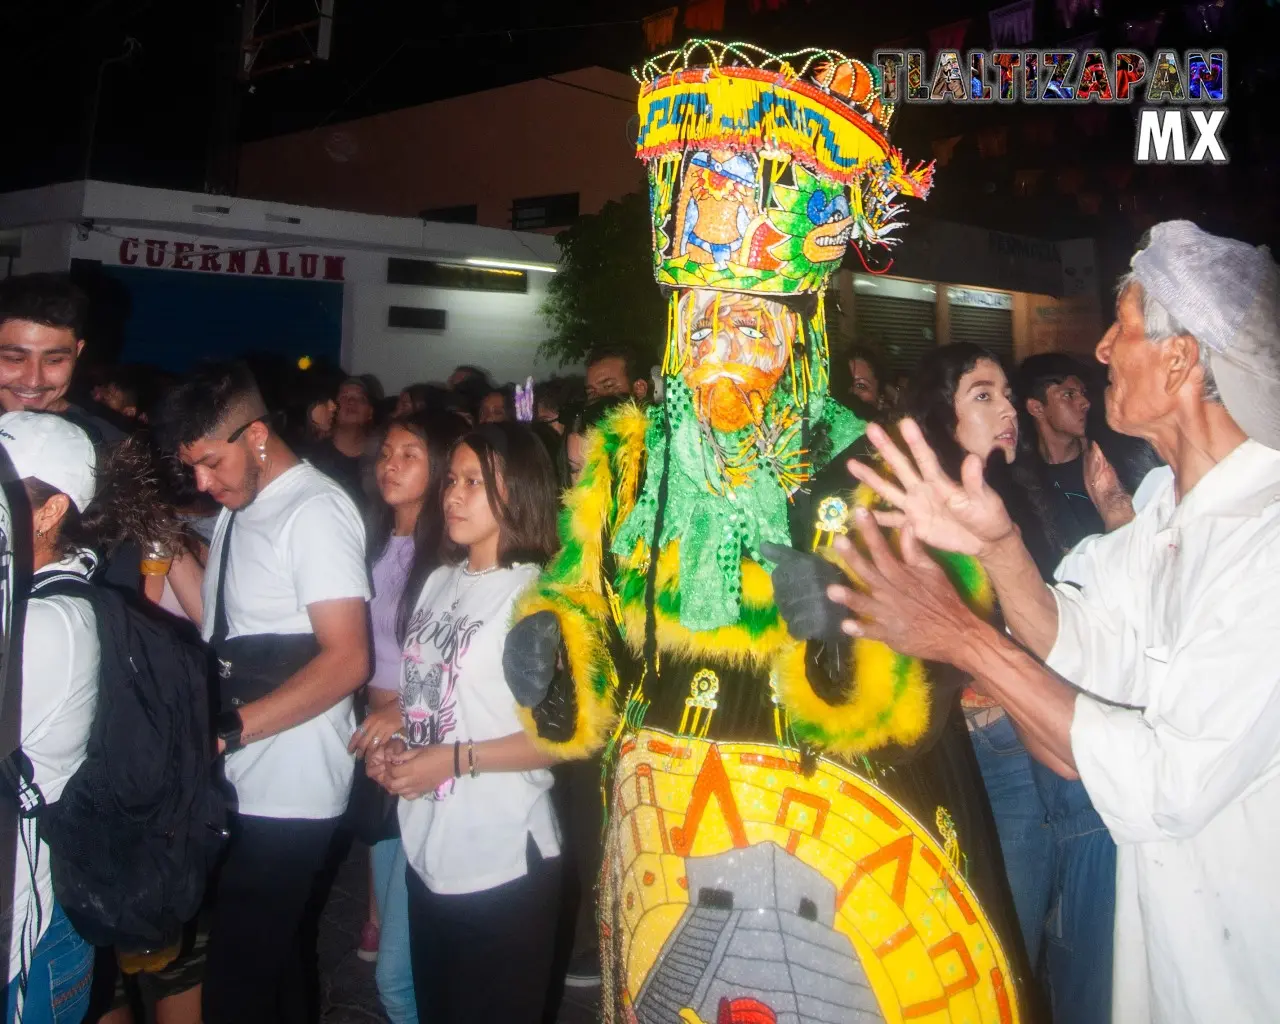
1159 687
610 371
284 607
344 454
42 326
43 318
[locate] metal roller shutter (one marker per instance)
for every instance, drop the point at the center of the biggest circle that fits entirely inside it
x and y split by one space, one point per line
992 328
902 330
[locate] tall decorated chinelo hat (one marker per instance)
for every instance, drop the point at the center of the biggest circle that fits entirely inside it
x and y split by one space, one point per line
763 168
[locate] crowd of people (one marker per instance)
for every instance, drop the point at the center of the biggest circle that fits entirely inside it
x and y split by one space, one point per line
353 564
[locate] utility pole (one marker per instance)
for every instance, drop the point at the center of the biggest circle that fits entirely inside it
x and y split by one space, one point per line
295 35
131 46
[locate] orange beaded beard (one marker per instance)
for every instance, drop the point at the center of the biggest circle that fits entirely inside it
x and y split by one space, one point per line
733 375
729 396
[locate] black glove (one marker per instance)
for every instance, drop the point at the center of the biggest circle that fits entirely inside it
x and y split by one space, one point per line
800 582
529 657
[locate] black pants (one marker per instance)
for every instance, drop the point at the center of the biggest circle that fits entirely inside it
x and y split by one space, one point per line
485 956
584 831
262 942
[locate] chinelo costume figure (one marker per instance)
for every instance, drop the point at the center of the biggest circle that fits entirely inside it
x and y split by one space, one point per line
797 829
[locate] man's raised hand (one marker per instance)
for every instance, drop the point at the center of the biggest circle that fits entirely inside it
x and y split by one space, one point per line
967 517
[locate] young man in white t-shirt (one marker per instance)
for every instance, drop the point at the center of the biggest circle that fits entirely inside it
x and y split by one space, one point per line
294 569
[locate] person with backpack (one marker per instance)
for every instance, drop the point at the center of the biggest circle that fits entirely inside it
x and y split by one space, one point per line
82 506
284 607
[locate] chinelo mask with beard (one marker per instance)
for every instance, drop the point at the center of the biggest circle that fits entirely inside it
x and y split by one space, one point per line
738 346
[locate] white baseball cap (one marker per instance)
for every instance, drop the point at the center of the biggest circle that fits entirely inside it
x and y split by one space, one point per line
46 446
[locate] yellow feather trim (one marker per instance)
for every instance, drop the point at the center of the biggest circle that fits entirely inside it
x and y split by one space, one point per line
875 717
582 616
630 424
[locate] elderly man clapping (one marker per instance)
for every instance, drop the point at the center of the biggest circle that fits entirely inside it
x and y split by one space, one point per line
1157 682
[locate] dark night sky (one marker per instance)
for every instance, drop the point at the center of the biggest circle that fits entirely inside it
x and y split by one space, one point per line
159 110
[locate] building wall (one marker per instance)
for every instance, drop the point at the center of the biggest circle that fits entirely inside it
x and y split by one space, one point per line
500 332
46 248
547 136
288 248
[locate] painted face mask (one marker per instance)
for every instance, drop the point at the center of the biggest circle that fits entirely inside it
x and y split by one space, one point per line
738 347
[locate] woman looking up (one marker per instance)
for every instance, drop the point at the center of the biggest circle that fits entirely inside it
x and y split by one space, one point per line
476 817
962 400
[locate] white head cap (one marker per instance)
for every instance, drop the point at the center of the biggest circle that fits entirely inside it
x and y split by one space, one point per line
46 446
1226 293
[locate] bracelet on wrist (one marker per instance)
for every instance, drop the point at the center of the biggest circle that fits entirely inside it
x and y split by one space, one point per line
457 747
473 768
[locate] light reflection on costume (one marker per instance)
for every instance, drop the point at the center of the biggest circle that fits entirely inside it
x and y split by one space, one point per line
763 861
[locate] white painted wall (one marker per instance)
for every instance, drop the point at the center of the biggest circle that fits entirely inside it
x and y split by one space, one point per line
500 332
46 248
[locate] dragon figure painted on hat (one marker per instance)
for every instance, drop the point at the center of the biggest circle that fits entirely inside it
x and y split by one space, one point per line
780 846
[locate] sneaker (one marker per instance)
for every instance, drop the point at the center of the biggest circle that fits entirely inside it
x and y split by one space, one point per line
368 948
584 970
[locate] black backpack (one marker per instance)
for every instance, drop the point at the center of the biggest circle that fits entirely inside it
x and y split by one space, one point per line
141 823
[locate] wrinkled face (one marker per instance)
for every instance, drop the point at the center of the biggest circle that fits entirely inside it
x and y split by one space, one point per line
866 386
607 377
354 407
228 471
36 363
738 347
467 515
403 468
493 408
985 416
1136 396
1065 408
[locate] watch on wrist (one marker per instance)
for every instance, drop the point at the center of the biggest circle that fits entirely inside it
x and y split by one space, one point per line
229 727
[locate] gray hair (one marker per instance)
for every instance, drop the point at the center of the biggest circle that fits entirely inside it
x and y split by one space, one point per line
1158 324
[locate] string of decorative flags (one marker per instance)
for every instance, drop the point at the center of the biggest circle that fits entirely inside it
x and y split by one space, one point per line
1011 25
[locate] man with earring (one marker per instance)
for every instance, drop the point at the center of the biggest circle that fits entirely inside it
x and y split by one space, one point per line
283 606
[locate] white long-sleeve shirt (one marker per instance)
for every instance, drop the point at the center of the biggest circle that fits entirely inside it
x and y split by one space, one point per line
1174 633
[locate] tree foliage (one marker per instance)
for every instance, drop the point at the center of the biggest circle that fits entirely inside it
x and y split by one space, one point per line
604 293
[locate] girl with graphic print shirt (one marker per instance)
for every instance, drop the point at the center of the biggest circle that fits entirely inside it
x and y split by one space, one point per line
476 817
406 534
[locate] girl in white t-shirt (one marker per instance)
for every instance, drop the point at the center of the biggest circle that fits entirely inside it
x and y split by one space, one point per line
406 534
479 832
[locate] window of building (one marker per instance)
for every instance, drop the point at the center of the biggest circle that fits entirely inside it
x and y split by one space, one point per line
544 212
451 214
429 274
413 318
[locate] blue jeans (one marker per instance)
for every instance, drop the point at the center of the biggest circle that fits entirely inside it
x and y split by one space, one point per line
1025 839
1079 933
58 979
394 973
